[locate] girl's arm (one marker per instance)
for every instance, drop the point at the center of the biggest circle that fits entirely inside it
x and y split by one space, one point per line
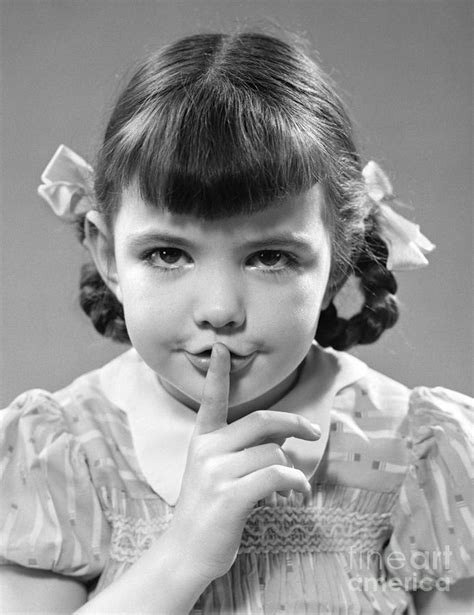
459 600
24 590
162 581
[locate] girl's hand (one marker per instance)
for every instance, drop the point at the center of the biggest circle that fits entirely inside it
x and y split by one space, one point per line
229 469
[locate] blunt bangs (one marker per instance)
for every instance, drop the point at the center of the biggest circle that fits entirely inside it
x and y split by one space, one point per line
222 126
214 157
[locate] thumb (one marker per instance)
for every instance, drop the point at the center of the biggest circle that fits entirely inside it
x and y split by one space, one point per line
212 413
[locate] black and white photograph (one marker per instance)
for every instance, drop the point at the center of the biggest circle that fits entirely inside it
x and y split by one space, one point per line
236 340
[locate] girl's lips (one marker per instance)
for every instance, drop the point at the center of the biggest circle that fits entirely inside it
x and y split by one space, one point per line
201 361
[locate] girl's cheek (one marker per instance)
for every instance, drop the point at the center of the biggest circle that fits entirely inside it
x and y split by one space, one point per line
309 294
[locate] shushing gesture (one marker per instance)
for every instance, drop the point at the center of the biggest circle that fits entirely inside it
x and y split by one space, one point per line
229 469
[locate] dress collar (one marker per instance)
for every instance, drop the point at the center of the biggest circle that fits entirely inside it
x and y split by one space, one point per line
162 427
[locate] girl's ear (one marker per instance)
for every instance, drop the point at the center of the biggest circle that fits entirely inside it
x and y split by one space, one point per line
99 241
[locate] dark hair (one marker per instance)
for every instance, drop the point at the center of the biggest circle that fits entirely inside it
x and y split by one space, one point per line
215 125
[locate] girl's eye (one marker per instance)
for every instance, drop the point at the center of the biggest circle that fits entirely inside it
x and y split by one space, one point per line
167 258
271 260
268 261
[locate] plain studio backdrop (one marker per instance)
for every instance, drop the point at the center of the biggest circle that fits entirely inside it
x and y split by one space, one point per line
404 68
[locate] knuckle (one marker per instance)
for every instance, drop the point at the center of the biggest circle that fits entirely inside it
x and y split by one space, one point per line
275 474
199 449
300 477
299 474
212 470
280 455
261 418
300 421
273 448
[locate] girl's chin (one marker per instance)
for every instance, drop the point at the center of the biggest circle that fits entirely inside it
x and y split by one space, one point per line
249 390
241 400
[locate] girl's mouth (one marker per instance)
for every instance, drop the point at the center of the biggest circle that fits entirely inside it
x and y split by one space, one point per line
201 360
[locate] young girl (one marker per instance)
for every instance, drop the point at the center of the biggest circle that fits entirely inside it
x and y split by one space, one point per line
234 460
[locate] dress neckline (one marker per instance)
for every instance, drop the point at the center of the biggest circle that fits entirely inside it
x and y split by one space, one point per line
162 427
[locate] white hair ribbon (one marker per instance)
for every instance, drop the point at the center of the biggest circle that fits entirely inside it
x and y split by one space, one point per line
406 244
67 184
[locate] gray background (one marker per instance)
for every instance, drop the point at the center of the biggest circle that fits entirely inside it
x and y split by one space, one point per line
405 70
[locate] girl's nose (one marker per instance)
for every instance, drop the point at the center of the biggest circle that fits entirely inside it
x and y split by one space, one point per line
220 302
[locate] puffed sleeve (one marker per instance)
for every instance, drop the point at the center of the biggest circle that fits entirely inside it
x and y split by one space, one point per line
431 545
50 514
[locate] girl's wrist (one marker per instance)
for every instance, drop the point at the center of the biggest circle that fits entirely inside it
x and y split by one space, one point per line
183 562
164 580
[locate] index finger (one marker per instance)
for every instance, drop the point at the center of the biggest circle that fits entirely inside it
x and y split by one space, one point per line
212 413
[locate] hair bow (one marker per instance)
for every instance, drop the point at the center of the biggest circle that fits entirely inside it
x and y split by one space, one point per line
67 184
406 244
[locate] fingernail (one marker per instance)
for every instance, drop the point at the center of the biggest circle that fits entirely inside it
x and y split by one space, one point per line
215 350
218 347
316 429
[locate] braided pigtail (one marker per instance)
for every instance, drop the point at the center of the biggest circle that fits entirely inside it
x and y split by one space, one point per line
380 308
101 305
97 300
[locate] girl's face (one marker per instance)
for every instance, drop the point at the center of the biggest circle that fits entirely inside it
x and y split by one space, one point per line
254 282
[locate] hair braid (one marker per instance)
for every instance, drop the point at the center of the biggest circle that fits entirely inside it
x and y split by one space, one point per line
101 305
380 309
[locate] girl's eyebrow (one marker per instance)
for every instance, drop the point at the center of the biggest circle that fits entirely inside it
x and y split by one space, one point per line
298 241
283 240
